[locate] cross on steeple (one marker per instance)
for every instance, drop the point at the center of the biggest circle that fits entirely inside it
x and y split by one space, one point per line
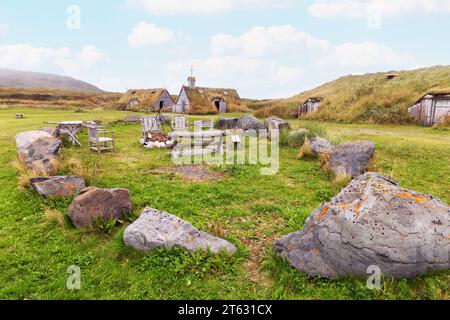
192 71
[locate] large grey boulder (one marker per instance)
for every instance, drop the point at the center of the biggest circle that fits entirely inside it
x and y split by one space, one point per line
156 228
372 222
273 124
58 186
101 204
38 149
351 158
321 146
250 123
228 123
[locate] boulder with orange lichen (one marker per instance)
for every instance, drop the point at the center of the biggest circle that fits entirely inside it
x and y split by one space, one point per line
372 222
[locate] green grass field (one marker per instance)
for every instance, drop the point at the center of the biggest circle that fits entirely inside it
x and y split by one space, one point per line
244 207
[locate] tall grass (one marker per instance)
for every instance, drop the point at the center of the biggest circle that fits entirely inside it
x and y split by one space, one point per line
297 138
25 173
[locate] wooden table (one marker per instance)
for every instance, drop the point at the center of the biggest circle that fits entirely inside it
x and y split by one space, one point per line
70 129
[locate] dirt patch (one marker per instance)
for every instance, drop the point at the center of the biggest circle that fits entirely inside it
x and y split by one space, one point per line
192 172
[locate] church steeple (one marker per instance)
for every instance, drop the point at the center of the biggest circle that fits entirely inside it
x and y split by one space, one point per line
191 79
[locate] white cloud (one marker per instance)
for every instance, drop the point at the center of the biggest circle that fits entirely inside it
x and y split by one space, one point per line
386 8
354 57
26 56
253 76
147 34
279 61
84 59
338 8
263 41
199 7
286 75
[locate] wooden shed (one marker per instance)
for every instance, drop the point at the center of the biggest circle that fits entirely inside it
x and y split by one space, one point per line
309 106
431 108
147 99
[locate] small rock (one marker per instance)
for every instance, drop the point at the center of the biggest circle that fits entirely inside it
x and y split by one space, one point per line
132 119
372 222
351 158
58 186
156 228
298 132
99 203
321 146
274 123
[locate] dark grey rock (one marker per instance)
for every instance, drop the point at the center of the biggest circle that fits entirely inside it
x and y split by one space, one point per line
156 228
372 222
103 204
228 123
58 186
351 158
250 123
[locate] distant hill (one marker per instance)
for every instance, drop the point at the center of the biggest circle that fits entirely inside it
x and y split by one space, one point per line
377 97
24 79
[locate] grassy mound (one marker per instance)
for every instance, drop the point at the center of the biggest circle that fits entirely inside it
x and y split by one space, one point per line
375 98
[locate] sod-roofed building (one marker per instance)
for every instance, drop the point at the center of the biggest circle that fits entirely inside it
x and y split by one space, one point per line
431 108
309 106
201 100
147 99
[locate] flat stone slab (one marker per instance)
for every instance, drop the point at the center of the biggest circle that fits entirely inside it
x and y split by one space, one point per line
155 228
96 203
372 222
58 186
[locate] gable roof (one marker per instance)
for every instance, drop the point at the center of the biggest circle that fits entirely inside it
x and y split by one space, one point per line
146 97
201 98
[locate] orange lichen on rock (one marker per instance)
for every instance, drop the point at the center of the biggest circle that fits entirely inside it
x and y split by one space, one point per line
323 212
417 199
357 208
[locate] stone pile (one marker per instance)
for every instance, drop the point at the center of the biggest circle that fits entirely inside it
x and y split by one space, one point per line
157 140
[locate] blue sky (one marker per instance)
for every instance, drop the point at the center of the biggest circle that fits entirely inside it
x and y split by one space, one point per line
264 48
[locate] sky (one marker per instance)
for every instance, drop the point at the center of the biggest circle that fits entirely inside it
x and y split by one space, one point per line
263 48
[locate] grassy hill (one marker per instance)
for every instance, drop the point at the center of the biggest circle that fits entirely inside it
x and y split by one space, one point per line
24 79
365 98
59 99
